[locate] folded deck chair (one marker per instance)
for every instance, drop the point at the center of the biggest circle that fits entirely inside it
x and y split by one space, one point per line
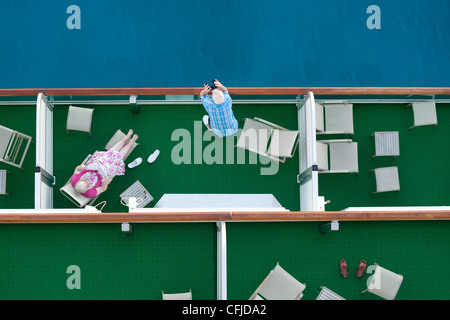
279 285
268 139
119 135
384 283
10 146
69 192
3 174
342 153
177 296
327 294
338 118
424 113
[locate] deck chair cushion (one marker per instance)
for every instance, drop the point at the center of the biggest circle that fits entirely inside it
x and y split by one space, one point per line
283 143
385 283
254 136
79 119
280 285
339 118
424 113
344 156
322 155
268 139
387 179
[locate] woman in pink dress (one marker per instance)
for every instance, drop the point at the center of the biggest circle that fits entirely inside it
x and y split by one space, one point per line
93 178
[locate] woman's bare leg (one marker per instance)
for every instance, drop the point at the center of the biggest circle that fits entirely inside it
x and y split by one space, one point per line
119 145
125 149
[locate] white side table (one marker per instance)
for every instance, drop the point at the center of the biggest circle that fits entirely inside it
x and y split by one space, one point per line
137 190
386 144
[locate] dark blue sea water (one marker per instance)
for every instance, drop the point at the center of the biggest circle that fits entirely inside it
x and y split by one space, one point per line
181 43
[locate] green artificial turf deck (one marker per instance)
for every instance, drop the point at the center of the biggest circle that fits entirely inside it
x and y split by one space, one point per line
176 257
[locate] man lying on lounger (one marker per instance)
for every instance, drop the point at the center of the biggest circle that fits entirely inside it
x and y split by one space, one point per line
93 178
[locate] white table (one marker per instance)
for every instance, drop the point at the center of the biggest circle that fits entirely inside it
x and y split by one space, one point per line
386 144
218 201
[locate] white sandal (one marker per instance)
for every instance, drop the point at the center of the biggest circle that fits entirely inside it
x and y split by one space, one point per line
153 156
135 163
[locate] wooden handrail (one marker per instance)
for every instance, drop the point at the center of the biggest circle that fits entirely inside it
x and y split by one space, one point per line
274 216
232 90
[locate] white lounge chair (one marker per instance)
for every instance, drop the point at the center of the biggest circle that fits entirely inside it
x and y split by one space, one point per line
424 113
268 139
384 283
69 192
386 179
327 294
279 285
78 199
177 296
338 118
119 135
342 154
11 146
79 119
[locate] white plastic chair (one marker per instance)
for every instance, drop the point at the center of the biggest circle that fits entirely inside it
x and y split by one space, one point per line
177 296
424 113
337 156
11 146
79 119
386 179
268 139
279 285
338 118
384 283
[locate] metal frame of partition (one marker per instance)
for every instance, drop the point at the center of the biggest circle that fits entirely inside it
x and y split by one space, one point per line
308 178
44 179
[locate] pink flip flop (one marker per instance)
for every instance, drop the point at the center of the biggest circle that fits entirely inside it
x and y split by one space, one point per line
361 268
344 268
